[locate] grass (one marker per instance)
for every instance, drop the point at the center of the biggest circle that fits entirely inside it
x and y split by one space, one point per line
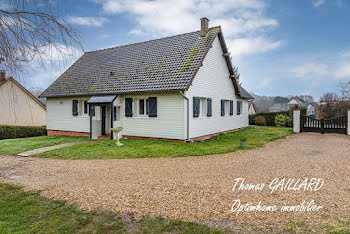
16 146
28 212
136 148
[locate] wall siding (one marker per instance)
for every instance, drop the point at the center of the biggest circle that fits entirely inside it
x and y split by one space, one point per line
18 108
169 122
59 115
212 81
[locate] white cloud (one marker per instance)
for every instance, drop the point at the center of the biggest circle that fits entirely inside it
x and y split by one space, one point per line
345 53
246 46
242 19
342 71
59 53
318 3
87 21
311 71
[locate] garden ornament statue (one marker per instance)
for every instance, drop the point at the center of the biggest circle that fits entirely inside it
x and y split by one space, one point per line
116 131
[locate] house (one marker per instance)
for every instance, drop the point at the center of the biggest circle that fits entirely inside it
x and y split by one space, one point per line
311 109
251 108
180 87
18 106
277 107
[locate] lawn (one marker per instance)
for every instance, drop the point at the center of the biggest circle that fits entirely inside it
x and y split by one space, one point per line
136 148
16 146
28 212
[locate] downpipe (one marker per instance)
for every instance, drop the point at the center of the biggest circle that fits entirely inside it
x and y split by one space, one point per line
188 114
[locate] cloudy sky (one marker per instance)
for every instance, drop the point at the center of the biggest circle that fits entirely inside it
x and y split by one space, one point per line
281 47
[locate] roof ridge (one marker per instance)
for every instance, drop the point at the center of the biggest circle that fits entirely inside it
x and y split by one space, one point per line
157 39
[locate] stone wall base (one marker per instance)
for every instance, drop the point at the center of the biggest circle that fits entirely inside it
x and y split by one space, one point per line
67 133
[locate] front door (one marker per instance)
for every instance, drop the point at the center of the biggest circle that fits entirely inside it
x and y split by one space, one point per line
103 120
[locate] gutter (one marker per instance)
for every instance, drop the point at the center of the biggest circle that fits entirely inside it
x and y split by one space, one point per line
188 114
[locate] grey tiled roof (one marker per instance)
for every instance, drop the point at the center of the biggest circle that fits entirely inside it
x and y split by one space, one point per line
243 93
158 65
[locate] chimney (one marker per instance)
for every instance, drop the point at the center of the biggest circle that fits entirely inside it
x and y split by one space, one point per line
204 26
2 75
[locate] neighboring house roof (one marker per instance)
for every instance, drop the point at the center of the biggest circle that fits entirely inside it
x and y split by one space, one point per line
24 90
164 64
251 105
313 104
280 107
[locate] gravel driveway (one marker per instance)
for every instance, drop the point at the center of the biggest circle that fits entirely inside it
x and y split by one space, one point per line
200 188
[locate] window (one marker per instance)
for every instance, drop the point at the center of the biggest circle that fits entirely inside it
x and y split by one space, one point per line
85 107
209 107
75 107
128 107
239 107
231 107
227 107
142 107
114 113
203 107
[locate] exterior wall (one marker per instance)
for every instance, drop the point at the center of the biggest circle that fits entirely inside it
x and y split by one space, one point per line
212 81
59 115
169 122
18 108
251 110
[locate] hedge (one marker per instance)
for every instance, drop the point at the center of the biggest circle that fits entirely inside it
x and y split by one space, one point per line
10 132
270 116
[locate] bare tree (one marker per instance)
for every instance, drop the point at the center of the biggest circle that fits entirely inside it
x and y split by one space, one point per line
33 29
345 90
329 97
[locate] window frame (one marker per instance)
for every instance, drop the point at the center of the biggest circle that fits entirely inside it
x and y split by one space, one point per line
203 107
239 107
85 108
227 107
115 113
143 108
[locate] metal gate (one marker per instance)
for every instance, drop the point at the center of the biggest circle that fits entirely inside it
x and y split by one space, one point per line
335 125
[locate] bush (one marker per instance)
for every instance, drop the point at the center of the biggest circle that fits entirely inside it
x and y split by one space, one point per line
289 121
281 120
260 120
10 132
270 116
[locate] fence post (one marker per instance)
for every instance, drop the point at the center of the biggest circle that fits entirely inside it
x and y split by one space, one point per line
296 120
349 121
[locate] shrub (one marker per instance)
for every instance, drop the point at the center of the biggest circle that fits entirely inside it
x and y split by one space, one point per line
289 121
10 132
281 120
252 119
260 120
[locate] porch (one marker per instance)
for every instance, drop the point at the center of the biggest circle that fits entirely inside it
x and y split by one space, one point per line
102 113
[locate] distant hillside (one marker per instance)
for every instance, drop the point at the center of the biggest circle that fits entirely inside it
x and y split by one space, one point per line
262 103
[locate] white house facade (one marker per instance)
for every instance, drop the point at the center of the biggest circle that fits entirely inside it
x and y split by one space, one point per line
184 89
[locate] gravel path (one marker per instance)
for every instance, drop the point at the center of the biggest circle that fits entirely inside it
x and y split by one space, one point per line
200 188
